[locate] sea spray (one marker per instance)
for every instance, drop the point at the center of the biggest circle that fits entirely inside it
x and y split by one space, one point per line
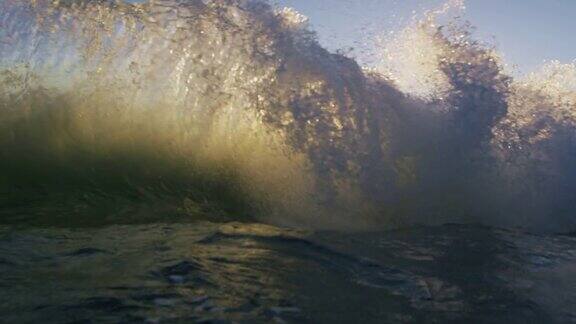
171 110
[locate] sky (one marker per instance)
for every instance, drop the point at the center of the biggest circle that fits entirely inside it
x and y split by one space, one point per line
527 32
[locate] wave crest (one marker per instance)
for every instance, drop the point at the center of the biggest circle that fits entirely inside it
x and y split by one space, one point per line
234 106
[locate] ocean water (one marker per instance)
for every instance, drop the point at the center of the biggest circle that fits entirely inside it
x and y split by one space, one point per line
254 273
189 161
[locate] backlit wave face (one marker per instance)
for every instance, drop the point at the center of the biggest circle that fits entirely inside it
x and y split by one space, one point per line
230 109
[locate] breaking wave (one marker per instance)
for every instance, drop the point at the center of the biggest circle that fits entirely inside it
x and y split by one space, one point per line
174 110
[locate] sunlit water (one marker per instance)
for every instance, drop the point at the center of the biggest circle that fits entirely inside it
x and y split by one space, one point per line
143 148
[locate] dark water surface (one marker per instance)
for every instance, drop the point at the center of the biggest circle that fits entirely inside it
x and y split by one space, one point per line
253 273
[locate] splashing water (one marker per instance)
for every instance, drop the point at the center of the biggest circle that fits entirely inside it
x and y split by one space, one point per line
176 110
